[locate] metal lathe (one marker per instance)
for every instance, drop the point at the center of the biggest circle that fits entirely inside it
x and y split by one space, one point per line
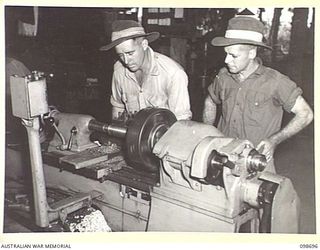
150 172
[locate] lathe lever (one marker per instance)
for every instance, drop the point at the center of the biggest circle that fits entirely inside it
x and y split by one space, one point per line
73 133
50 121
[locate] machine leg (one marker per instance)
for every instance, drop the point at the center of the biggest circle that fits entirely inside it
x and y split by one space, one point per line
254 225
39 187
248 222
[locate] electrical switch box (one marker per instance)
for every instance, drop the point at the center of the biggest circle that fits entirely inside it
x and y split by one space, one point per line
29 95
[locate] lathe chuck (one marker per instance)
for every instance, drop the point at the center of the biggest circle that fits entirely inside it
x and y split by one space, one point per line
143 132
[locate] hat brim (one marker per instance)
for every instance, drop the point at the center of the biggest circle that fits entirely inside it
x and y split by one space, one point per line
223 42
152 36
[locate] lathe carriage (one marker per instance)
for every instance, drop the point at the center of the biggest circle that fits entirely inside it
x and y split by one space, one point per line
150 172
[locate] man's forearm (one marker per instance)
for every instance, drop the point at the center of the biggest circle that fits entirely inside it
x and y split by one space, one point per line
209 111
298 122
292 128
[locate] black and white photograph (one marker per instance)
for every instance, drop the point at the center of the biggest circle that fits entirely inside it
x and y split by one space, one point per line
159 119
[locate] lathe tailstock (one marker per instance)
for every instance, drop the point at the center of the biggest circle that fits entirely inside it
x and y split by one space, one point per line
166 175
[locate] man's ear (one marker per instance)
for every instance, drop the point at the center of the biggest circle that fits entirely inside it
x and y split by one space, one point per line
144 44
253 53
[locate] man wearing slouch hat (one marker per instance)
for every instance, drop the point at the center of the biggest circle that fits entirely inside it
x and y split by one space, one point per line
252 95
144 78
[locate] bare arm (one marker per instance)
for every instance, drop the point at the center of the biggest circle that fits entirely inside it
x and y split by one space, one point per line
303 117
209 111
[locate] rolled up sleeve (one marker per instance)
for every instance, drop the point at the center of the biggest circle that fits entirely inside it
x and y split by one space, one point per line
214 89
115 98
178 96
287 93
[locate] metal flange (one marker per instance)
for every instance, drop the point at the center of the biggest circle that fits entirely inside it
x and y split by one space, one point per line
143 132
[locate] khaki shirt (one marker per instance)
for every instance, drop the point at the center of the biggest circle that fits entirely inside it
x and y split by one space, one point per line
253 109
166 86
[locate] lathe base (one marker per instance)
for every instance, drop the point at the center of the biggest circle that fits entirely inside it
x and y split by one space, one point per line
125 208
169 213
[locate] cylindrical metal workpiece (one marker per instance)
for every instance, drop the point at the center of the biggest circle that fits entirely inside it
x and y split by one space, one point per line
256 162
112 130
117 131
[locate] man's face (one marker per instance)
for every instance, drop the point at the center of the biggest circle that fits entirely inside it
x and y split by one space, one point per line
131 53
238 57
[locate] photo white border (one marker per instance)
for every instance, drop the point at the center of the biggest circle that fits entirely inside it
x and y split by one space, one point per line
85 240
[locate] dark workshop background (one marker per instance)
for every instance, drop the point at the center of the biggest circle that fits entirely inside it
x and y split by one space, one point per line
68 41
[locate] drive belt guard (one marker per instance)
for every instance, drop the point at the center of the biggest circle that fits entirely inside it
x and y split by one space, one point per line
285 210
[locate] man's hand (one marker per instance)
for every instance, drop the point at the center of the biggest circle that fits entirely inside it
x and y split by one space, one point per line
267 148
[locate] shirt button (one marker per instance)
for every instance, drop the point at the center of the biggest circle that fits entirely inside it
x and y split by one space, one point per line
239 88
256 104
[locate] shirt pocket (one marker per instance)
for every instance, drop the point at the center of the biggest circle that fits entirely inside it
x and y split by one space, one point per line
258 107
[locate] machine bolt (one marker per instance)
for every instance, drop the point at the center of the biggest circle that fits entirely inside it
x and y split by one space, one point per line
138 214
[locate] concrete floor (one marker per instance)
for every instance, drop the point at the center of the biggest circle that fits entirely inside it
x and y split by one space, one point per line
13 226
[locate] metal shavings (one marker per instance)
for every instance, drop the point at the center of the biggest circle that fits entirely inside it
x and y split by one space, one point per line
90 220
107 149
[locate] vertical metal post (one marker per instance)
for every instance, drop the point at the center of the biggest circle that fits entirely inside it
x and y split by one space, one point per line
38 181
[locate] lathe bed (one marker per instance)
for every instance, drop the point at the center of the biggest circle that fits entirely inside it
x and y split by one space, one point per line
119 172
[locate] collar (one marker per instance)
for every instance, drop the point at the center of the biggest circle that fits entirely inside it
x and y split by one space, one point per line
154 66
259 71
